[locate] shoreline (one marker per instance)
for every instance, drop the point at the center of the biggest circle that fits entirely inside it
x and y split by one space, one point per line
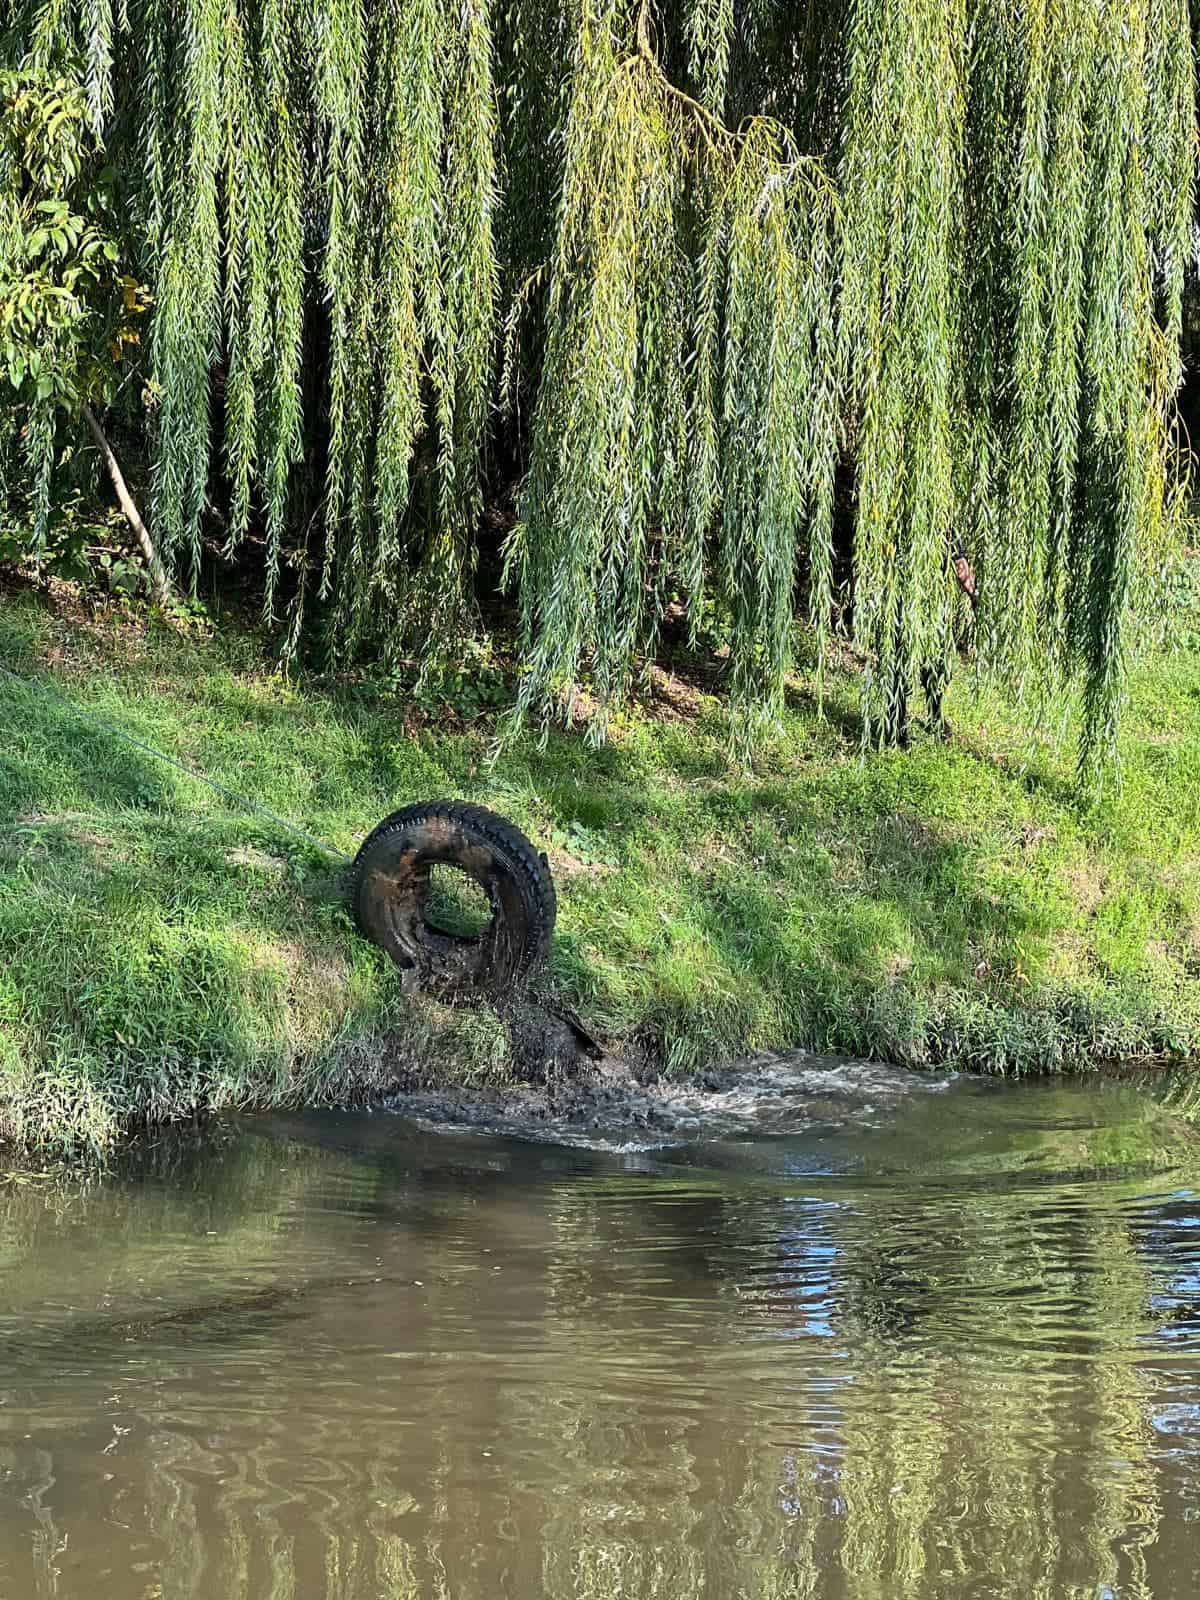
164 956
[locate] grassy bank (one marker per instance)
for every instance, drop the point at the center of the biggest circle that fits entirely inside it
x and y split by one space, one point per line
160 952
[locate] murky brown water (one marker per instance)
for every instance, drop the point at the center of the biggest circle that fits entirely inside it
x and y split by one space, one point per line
949 1347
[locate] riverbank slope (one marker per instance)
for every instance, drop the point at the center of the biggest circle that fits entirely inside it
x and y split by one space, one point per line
161 953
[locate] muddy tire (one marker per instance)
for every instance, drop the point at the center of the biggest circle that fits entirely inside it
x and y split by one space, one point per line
394 898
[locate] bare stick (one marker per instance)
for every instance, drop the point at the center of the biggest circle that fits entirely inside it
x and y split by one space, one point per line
159 583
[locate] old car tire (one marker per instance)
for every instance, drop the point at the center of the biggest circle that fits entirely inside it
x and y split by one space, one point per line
392 887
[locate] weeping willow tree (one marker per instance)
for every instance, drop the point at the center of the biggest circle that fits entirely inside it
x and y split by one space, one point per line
748 302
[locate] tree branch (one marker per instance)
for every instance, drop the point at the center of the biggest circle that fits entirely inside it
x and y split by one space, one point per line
159 583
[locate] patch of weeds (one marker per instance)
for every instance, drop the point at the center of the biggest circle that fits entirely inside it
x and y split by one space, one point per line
465 690
588 847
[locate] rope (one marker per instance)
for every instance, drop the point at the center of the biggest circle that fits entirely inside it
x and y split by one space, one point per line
160 755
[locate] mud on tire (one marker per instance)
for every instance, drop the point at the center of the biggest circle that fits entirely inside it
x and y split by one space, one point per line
393 898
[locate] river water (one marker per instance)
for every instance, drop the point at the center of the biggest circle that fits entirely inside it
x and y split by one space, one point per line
941 1341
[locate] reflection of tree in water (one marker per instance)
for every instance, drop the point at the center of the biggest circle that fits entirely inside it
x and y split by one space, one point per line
671 1387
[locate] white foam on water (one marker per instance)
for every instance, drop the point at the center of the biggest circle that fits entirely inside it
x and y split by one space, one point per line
531 1132
771 1096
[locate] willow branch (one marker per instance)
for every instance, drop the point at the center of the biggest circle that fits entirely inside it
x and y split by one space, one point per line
714 132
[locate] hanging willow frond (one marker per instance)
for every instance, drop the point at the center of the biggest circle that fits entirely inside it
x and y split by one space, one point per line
1093 251
901 320
187 327
412 272
253 110
710 31
941 243
673 420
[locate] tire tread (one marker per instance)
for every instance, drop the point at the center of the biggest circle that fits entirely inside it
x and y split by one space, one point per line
500 836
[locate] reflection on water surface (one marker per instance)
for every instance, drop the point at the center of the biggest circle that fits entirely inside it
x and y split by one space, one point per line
954 1350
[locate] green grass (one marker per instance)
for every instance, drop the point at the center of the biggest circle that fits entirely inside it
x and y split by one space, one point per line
162 954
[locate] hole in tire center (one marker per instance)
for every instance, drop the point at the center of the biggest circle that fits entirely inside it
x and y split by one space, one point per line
456 903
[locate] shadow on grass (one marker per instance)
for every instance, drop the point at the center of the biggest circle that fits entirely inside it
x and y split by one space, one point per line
50 746
842 952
